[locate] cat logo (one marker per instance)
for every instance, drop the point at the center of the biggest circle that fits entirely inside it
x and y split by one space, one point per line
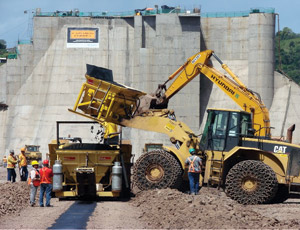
279 149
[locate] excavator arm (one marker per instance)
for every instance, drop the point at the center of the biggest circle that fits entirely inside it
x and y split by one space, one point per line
200 63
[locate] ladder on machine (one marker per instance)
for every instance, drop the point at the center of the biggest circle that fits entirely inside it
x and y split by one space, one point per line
216 170
99 101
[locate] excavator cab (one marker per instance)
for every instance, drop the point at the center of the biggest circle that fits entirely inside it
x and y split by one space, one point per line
224 129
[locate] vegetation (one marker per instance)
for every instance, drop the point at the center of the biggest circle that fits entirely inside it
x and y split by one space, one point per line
289 53
3 51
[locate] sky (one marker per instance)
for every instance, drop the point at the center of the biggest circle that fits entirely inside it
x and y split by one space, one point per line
15 24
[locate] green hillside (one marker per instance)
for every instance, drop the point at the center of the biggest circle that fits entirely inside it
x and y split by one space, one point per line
289 53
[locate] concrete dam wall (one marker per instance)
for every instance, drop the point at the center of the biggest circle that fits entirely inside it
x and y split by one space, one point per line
142 51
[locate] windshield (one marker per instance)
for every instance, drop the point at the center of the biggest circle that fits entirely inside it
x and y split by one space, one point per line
33 148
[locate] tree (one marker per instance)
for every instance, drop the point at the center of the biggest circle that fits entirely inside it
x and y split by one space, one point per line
287 33
289 55
2 44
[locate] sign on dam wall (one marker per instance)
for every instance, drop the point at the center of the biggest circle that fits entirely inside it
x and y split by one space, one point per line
84 37
142 51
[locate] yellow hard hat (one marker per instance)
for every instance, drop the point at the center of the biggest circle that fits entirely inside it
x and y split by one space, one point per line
22 149
34 163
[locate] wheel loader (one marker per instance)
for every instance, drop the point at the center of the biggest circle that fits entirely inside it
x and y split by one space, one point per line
32 152
236 146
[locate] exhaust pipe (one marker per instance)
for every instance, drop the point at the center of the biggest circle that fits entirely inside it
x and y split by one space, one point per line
289 134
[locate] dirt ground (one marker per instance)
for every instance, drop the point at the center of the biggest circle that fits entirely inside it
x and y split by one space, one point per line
169 208
166 208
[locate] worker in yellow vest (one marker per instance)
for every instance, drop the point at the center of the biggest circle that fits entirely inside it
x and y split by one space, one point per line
11 164
23 165
4 160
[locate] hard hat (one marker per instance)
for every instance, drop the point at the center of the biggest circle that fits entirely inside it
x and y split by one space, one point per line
192 150
34 163
22 149
45 162
12 151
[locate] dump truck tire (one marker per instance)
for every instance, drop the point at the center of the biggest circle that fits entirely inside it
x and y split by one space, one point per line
157 169
251 182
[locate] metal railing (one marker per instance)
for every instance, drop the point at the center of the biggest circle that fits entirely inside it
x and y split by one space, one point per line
154 12
22 42
237 13
108 14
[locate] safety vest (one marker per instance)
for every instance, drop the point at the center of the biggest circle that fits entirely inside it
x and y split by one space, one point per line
192 167
23 160
36 183
44 178
4 160
11 162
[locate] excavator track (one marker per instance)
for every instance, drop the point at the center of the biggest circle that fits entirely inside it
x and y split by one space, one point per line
251 182
157 169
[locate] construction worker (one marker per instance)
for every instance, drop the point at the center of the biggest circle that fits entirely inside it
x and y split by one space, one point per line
11 164
23 165
34 181
111 135
46 175
4 160
194 164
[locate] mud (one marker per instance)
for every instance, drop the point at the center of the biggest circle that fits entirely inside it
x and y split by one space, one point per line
155 209
169 208
14 197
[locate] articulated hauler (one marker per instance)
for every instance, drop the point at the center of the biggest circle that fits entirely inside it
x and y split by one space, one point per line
236 146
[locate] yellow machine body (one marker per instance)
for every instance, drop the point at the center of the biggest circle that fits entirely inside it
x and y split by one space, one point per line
32 152
88 167
251 144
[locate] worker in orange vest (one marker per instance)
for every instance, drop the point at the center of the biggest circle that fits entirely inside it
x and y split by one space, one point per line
34 181
23 165
194 164
11 164
46 175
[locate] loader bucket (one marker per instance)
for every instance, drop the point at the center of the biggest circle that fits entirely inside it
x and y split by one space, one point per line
103 100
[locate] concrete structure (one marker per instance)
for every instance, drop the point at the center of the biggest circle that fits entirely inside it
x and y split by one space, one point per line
142 51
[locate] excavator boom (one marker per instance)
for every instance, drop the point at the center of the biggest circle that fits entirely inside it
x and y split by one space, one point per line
248 100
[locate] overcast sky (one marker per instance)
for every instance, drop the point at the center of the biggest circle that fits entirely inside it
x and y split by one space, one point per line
14 23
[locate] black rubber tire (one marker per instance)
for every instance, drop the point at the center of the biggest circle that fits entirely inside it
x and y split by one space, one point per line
281 195
171 168
263 181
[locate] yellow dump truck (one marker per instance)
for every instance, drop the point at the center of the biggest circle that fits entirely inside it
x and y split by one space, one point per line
89 169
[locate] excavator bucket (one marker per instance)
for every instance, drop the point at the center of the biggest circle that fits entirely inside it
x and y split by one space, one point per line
103 100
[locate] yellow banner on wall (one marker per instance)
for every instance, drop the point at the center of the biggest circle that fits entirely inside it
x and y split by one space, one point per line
83 34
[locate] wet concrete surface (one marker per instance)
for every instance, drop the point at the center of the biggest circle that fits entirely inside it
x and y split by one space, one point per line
76 217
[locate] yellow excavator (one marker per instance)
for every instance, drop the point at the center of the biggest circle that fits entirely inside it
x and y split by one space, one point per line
236 146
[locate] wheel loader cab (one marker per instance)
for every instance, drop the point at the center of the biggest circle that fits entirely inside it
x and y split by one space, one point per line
224 128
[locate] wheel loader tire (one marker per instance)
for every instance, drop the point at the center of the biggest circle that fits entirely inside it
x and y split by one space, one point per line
281 195
157 169
251 182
